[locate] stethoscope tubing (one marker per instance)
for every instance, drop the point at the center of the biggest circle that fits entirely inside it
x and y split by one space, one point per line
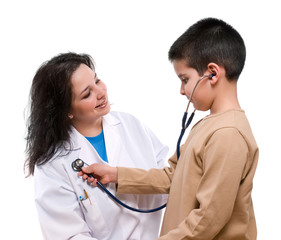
184 123
103 188
184 127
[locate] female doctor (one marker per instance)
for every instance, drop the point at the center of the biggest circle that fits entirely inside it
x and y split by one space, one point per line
70 118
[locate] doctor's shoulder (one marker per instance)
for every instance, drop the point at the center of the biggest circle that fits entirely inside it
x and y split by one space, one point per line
122 116
56 165
130 123
133 125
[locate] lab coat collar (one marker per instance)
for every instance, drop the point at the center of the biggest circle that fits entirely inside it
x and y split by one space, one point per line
110 119
75 136
84 149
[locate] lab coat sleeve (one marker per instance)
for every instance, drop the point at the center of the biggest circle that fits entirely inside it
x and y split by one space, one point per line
139 181
160 149
59 212
224 161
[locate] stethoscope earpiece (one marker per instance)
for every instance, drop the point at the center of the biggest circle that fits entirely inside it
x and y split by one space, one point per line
212 75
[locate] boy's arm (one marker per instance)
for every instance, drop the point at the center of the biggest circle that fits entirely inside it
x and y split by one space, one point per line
139 181
132 180
224 162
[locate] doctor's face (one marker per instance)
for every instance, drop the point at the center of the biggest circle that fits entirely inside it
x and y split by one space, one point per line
89 96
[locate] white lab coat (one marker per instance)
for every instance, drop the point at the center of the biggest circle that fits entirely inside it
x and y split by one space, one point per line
58 188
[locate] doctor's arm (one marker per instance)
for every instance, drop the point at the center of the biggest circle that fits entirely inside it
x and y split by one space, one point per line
58 208
160 150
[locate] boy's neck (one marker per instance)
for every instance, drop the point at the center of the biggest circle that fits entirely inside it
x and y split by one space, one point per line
226 98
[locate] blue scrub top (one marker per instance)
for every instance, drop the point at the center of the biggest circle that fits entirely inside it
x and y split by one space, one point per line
99 144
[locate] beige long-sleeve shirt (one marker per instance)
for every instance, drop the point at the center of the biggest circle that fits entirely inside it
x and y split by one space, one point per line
210 186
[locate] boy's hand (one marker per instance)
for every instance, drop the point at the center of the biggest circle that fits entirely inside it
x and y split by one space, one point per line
103 173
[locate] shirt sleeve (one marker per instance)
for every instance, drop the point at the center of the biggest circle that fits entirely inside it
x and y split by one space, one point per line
59 212
139 181
224 159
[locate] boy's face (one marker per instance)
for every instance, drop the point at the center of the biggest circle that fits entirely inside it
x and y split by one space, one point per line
201 99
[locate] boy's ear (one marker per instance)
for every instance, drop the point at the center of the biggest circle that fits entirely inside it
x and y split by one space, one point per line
215 70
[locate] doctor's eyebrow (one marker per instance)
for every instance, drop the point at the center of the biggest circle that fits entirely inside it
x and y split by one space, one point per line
86 88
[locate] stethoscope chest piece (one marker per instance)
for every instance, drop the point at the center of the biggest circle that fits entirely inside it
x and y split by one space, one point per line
77 165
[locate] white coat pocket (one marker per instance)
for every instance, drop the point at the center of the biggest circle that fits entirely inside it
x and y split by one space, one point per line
95 218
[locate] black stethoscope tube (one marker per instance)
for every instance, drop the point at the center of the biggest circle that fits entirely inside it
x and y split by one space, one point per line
125 205
184 127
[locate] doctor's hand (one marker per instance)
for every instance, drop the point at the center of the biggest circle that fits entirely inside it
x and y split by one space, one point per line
103 173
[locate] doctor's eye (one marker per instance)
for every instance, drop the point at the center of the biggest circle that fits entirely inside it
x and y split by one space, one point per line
97 80
87 95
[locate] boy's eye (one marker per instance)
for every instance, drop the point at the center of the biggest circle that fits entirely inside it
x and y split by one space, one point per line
97 80
184 80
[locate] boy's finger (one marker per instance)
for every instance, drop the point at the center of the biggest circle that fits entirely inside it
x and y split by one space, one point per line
85 176
94 182
87 169
90 179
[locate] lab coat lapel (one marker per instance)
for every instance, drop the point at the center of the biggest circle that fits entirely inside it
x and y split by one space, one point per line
113 141
117 153
86 151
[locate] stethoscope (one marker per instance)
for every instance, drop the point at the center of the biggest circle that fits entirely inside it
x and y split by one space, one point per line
78 163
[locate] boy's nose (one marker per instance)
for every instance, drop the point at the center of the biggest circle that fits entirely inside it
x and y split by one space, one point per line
182 91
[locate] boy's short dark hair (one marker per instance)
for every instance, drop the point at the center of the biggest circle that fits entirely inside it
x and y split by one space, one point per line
211 40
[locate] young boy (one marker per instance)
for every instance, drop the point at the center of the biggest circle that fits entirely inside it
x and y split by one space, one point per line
210 185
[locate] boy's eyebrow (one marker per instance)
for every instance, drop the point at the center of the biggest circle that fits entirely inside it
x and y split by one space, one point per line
180 75
87 86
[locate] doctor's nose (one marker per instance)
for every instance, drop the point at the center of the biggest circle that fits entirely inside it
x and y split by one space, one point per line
100 92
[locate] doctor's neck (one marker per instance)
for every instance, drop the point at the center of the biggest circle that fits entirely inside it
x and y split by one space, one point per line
88 129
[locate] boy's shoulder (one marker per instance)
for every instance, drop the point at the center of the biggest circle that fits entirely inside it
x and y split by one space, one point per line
226 121
231 118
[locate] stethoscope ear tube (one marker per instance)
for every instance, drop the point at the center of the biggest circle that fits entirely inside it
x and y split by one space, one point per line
184 127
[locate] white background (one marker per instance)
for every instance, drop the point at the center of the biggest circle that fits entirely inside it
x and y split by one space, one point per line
129 41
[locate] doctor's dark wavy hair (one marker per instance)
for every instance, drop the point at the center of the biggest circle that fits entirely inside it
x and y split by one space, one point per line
48 125
211 40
